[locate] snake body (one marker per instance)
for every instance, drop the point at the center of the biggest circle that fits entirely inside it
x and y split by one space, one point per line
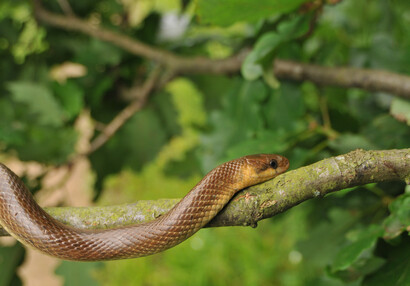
24 219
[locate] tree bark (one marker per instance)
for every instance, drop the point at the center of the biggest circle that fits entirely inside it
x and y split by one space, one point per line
347 77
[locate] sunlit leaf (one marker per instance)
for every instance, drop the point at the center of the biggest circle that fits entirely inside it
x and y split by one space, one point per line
188 101
400 109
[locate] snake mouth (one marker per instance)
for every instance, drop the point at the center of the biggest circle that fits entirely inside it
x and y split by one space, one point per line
263 167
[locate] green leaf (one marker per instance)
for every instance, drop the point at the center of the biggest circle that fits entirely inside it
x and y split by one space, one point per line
285 108
357 259
227 12
135 144
241 119
9 133
98 90
47 144
10 258
35 128
188 102
326 235
396 271
71 97
253 65
39 101
98 53
270 79
31 39
399 219
400 109
250 68
78 274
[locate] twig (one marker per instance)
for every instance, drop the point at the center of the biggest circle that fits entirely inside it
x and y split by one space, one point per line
327 124
140 98
168 59
372 80
265 200
65 6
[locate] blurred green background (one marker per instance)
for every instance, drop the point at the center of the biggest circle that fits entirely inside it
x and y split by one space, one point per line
50 76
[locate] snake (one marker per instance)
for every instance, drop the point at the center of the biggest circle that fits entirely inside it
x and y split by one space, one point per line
26 221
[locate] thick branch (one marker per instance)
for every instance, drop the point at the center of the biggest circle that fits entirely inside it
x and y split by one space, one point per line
371 80
265 200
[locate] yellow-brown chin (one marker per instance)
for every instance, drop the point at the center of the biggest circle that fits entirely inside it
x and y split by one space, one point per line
263 167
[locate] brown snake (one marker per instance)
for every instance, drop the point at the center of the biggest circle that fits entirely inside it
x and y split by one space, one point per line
24 219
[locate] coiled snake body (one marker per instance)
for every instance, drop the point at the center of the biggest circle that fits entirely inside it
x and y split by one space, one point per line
24 219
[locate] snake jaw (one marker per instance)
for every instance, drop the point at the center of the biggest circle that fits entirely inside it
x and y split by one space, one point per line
261 169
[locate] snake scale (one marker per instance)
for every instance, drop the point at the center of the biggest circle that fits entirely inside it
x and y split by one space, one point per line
25 220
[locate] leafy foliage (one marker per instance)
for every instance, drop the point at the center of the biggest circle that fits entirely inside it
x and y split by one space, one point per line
230 11
396 269
10 258
399 219
268 43
49 76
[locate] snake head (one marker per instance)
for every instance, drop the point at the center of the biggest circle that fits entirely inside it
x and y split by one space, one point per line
263 167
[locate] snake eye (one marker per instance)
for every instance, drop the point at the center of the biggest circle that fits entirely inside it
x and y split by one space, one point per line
273 163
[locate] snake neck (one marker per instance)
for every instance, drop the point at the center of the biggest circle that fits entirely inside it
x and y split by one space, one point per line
34 227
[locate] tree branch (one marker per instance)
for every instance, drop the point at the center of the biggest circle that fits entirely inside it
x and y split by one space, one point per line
371 80
65 6
140 98
265 200
163 57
